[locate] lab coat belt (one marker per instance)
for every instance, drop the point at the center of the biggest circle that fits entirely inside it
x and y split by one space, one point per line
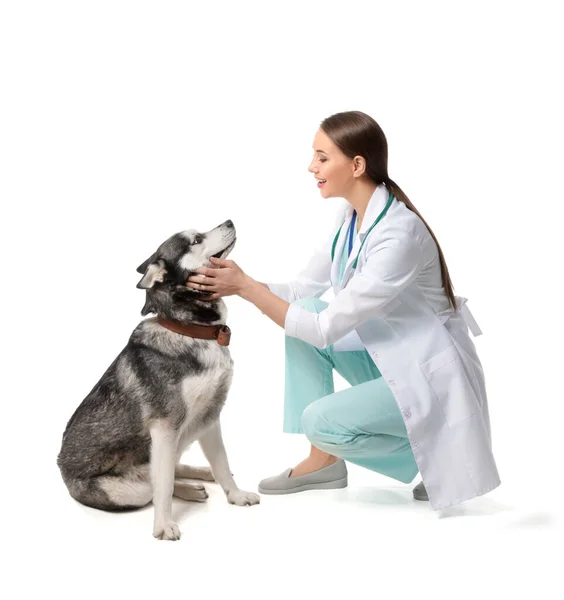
467 316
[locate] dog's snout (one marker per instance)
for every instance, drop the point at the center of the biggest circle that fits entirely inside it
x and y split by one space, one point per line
229 223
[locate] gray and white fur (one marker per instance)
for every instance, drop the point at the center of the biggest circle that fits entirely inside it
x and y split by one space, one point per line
122 446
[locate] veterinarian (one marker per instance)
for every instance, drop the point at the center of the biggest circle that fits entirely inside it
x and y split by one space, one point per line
394 330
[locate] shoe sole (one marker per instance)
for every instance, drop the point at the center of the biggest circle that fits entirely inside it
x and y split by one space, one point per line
422 498
325 485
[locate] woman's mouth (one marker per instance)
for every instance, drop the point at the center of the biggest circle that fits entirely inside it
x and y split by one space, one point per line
321 183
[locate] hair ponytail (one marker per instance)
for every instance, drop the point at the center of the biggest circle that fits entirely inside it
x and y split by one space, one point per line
400 195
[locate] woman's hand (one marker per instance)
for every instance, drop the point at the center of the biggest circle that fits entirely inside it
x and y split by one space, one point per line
225 279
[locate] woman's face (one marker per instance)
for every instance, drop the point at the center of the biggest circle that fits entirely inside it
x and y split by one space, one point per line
330 167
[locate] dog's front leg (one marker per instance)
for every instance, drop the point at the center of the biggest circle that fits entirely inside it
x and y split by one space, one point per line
164 441
213 448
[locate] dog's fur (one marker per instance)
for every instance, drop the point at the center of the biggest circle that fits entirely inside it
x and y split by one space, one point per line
121 447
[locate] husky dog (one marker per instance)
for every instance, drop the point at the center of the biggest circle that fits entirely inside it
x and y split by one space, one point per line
165 390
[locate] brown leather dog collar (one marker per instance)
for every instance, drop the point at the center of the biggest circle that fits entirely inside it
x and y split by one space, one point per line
221 333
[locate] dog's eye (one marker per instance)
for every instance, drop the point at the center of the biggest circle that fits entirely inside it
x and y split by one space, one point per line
197 240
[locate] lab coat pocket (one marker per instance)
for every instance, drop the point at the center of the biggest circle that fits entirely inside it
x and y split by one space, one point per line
447 378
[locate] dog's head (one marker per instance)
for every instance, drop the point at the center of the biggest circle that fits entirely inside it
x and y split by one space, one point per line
180 255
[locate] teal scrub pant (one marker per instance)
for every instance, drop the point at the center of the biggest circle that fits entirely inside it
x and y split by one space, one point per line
361 424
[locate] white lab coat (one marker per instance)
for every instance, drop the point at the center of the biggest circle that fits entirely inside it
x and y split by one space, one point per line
425 354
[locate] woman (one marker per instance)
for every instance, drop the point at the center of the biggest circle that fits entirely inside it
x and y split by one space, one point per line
394 330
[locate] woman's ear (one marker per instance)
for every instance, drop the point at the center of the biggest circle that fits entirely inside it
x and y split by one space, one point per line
359 166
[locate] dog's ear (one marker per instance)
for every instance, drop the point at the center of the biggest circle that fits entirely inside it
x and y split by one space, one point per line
143 267
155 271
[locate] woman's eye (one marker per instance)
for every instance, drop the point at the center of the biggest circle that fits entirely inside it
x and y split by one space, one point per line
322 159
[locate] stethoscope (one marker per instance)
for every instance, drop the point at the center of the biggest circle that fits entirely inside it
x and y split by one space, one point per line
351 231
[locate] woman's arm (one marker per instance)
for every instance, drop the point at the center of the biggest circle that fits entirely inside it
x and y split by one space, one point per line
393 261
268 303
228 279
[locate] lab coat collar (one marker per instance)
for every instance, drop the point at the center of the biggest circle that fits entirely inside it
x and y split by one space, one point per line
375 206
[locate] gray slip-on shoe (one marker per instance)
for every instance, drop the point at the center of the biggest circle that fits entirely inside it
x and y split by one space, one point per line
419 492
332 477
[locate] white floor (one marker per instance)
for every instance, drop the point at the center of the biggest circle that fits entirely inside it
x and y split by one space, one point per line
370 539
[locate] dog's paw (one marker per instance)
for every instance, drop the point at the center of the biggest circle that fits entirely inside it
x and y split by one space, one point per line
241 498
194 492
168 531
200 494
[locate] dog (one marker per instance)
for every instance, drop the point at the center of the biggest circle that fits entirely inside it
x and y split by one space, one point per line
165 390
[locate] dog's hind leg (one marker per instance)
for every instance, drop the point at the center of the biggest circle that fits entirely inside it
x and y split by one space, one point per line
187 472
106 492
124 493
194 492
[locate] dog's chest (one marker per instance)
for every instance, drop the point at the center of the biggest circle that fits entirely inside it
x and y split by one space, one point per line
204 392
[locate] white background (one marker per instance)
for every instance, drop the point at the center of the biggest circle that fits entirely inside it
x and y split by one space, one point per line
125 122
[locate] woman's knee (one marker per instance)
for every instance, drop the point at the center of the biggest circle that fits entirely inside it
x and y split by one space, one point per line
311 303
310 421
315 426
322 430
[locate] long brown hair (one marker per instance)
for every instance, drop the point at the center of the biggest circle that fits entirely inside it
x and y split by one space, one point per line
357 134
